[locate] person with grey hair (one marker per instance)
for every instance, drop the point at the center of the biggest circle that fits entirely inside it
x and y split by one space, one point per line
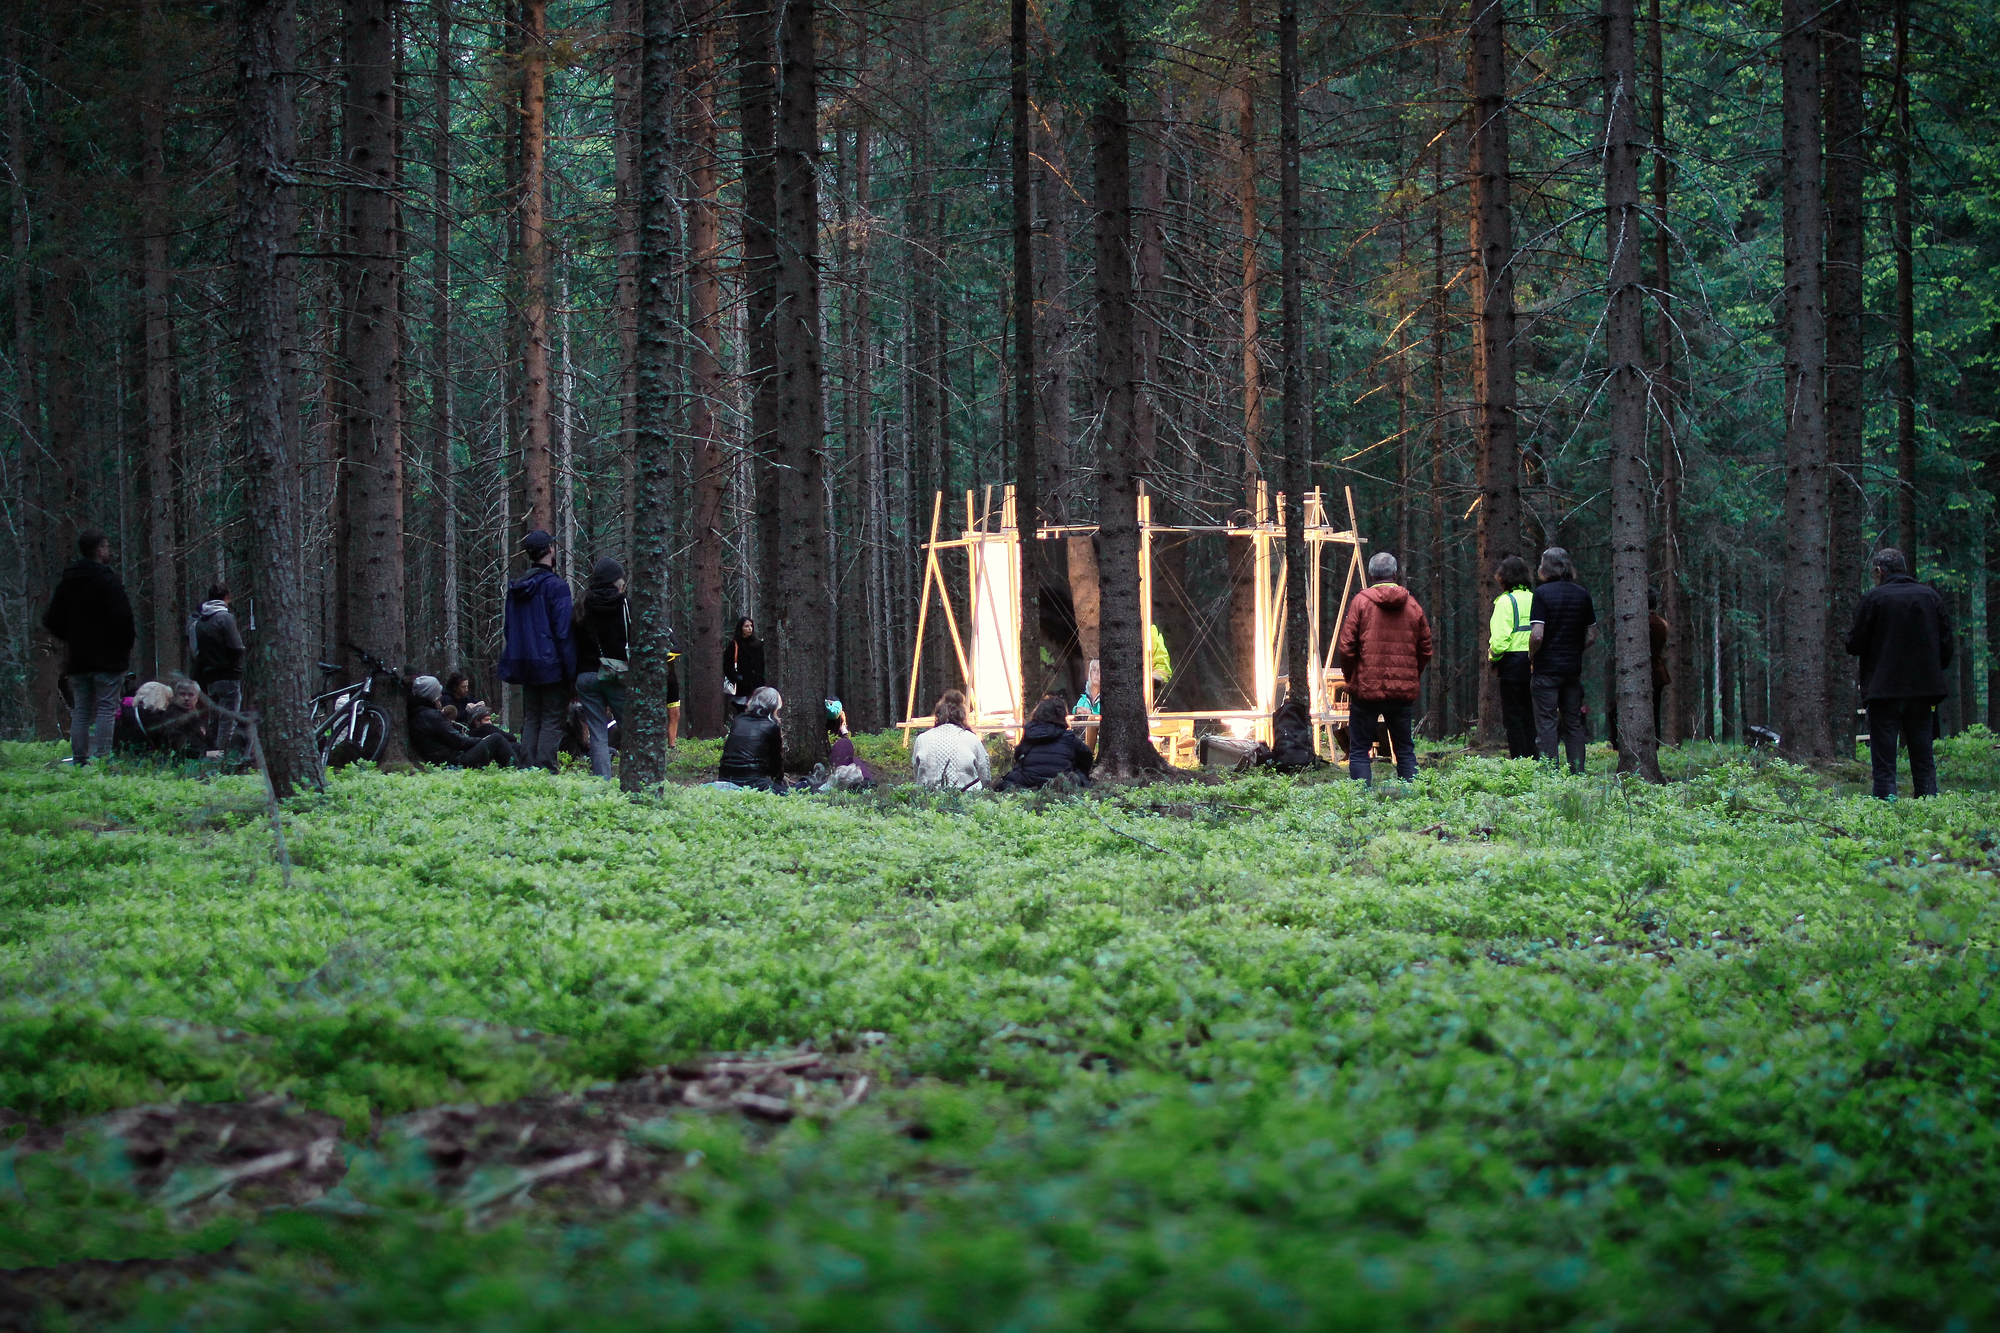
1562 624
1903 635
435 740
1383 648
753 754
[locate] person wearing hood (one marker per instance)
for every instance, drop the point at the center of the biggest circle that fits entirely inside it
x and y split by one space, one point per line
753 754
601 626
437 741
215 658
540 652
92 616
1048 750
1384 646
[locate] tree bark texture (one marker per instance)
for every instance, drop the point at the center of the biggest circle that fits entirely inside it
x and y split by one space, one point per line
266 228
1498 460
372 443
1027 455
1906 302
1803 625
803 632
162 615
701 668
1846 220
1625 394
1678 705
537 400
626 43
443 385
756 85
643 759
1292 325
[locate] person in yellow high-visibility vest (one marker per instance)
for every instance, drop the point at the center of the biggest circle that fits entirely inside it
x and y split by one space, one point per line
1508 640
1163 665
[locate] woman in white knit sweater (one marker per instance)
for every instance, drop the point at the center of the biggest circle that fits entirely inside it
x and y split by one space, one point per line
950 755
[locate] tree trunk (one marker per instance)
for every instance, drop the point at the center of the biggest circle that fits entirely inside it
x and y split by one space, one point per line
756 88
1027 456
159 379
1242 563
44 658
537 405
1846 217
625 220
267 228
443 388
1123 747
1052 327
642 761
1906 302
803 633
701 667
1677 708
372 444
1803 625
1624 326
1292 323
1498 458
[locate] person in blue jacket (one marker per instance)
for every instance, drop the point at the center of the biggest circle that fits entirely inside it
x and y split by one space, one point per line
540 655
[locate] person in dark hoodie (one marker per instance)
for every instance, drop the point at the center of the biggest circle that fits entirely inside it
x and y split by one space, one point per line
1384 646
1902 634
437 741
601 627
92 616
742 663
215 658
753 754
1049 750
540 654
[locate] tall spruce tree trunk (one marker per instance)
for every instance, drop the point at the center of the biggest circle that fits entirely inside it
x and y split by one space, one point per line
1027 455
1123 747
159 378
266 229
537 397
1625 339
1678 706
626 42
443 385
756 85
1498 458
643 757
1846 218
1292 326
372 434
1906 302
803 632
1803 626
1242 551
701 668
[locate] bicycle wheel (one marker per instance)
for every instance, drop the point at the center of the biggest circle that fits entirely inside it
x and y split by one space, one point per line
371 733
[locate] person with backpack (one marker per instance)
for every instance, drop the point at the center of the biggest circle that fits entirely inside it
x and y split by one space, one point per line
1384 646
1562 625
1049 751
540 652
92 616
1507 644
602 623
215 659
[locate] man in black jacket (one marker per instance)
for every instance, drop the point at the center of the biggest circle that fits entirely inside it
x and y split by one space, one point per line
216 653
92 616
1902 634
437 741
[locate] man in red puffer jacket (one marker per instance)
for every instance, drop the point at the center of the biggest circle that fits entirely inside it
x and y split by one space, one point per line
1385 643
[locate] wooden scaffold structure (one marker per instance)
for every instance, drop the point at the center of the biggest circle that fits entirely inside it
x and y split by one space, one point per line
986 643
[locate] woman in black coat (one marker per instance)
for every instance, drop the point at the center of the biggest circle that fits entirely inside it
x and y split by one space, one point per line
742 663
753 754
1048 750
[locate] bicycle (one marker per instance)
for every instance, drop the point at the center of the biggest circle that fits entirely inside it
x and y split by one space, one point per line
347 723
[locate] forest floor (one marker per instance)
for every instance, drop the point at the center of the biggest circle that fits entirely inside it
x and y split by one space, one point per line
1499 1049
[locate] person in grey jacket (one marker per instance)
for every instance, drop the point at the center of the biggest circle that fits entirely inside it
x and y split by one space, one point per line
215 659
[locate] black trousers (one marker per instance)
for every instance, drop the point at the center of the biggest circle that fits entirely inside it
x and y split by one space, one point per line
544 709
1911 719
1559 716
1363 728
491 750
1517 711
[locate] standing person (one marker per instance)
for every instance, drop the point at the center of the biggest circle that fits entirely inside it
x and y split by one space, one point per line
1384 646
215 657
92 616
742 664
1564 625
1657 633
1508 634
540 655
602 622
753 754
950 755
1902 634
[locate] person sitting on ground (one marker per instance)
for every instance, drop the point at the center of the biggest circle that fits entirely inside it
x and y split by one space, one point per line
1292 747
143 719
841 753
1091 702
478 722
1049 751
189 728
435 740
458 697
950 755
1384 646
753 754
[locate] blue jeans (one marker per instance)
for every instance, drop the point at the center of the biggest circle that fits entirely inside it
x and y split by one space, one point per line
93 713
603 700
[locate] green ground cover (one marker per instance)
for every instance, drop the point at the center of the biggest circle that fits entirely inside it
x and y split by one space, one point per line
1498 1050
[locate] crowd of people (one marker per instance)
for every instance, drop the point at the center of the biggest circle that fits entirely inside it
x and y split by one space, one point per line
570 658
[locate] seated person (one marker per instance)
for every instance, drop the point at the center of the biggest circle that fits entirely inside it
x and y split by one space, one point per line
841 754
477 719
189 726
950 756
1090 702
435 740
458 696
1048 750
753 754
142 720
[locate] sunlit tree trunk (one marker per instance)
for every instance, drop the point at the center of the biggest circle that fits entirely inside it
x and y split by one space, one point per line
537 398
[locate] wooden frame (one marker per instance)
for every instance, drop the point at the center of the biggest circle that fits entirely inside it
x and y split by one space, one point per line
1266 530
